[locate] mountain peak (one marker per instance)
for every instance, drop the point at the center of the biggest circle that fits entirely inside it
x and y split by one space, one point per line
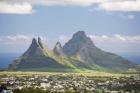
36 47
58 43
34 43
78 41
80 32
80 35
58 49
40 42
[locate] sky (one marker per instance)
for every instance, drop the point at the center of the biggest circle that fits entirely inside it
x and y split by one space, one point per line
113 25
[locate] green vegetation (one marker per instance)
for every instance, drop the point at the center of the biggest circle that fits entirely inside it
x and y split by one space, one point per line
86 73
38 90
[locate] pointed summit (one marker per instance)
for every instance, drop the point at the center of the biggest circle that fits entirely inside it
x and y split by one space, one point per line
40 43
31 50
36 48
34 43
78 41
80 35
58 49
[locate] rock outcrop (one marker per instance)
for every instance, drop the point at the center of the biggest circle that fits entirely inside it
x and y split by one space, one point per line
58 49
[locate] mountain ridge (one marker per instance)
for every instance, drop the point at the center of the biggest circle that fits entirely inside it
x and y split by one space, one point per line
77 54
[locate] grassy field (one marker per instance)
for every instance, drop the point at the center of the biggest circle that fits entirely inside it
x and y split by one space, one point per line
93 73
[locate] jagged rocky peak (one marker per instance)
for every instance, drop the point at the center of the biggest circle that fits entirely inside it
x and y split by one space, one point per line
58 49
37 43
58 44
40 43
36 47
34 43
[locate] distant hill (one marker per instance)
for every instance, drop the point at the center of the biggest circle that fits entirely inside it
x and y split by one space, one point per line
78 54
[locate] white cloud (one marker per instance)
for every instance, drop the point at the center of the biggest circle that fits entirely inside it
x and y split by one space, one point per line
116 38
10 38
20 39
9 8
127 16
63 39
131 16
20 36
119 37
118 43
15 39
58 2
121 5
104 36
25 6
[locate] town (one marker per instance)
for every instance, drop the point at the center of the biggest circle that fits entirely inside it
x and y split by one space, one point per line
61 83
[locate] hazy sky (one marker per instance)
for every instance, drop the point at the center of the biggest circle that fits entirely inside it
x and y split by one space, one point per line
113 25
